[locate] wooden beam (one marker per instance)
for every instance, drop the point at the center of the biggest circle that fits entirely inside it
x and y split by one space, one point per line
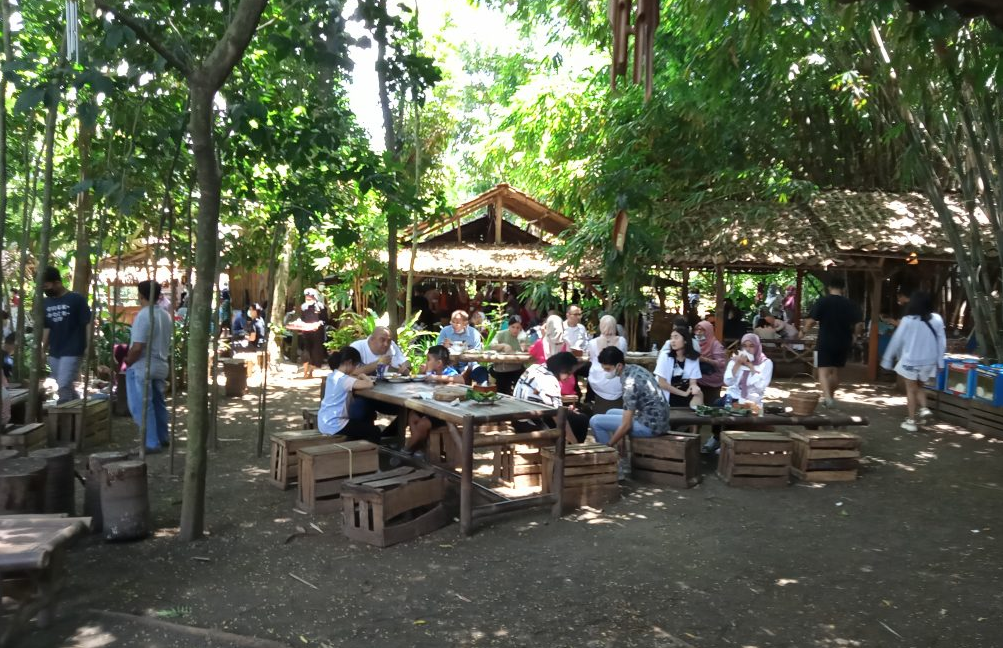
685 292
499 208
872 346
719 303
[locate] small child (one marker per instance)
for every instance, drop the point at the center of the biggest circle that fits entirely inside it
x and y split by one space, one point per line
437 370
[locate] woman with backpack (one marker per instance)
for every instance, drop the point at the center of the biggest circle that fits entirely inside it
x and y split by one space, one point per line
918 346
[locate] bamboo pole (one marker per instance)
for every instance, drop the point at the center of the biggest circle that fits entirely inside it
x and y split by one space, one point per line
263 396
28 209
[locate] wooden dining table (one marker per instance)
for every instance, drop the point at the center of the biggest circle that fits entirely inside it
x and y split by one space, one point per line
462 419
510 357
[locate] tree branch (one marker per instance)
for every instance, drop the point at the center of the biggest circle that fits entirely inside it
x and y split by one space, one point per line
230 48
137 26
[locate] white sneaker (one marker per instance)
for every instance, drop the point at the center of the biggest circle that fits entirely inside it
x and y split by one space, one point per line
924 414
909 425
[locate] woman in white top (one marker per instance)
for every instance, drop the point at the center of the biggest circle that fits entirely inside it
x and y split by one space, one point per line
918 344
608 391
678 370
749 372
333 417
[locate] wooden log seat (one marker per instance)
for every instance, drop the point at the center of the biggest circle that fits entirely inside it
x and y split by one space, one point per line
669 460
758 459
386 508
323 469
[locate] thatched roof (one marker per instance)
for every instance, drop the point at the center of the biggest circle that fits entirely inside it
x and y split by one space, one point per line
485 261
851 229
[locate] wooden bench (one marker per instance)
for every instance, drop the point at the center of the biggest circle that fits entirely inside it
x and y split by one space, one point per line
24 437
386 508
285 454
669 460
825 456
79 422
758 459
32 569
323 469
590 474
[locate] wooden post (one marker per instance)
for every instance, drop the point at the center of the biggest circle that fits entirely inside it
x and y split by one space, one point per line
467 477
798 292
686 292
719 304
872 346
558 477
498 219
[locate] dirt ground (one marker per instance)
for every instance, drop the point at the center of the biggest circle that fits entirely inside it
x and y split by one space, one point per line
908 555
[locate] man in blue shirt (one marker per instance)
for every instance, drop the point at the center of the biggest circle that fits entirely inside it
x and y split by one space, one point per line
460 333
64 337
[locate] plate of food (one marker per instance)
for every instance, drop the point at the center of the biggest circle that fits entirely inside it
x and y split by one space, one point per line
398 379
418 378
482 397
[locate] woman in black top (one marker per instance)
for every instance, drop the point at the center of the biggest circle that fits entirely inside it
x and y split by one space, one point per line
312 342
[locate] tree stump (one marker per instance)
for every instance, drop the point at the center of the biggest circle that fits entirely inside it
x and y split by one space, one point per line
21 485
58 494
125 505
92 489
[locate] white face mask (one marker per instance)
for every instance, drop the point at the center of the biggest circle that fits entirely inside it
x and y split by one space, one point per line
610 375
748 355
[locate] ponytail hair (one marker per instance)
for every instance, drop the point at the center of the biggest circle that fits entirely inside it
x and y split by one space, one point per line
346 354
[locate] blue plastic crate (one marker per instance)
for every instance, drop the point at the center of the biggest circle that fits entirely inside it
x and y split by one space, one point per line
989 384
960 378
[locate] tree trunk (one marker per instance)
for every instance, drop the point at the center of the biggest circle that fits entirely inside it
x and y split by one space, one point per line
42 258
85 208
390 143
277 307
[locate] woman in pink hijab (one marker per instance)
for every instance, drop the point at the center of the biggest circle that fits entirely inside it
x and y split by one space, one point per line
749 372
713 359
553 342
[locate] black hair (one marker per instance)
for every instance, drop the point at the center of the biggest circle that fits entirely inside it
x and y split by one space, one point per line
346 354
680 322
11 338
610 356
688 350
145 287
836 282
514 319
920 303
51 275
561 363
760 322
438 352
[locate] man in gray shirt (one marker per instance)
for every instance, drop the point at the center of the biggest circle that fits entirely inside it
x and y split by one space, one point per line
152 331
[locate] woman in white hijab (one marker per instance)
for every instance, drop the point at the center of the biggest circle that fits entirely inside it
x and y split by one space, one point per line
608 391
553 342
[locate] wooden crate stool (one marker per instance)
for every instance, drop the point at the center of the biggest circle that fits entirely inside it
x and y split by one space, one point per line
590 474
442 451
310 418
24 437
518 465
285 453
391 507
825 456
669 460
77 423
759 459
323 469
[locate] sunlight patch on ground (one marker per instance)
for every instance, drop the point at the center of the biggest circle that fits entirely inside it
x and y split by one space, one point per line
91 636
168 532
784 582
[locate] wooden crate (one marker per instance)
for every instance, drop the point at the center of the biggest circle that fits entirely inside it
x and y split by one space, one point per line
323 469
825 456
386 508
759 459
590 474
519 465
23 438
442 450
310 418
950 408
985 418
668 460
285 453
78 424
